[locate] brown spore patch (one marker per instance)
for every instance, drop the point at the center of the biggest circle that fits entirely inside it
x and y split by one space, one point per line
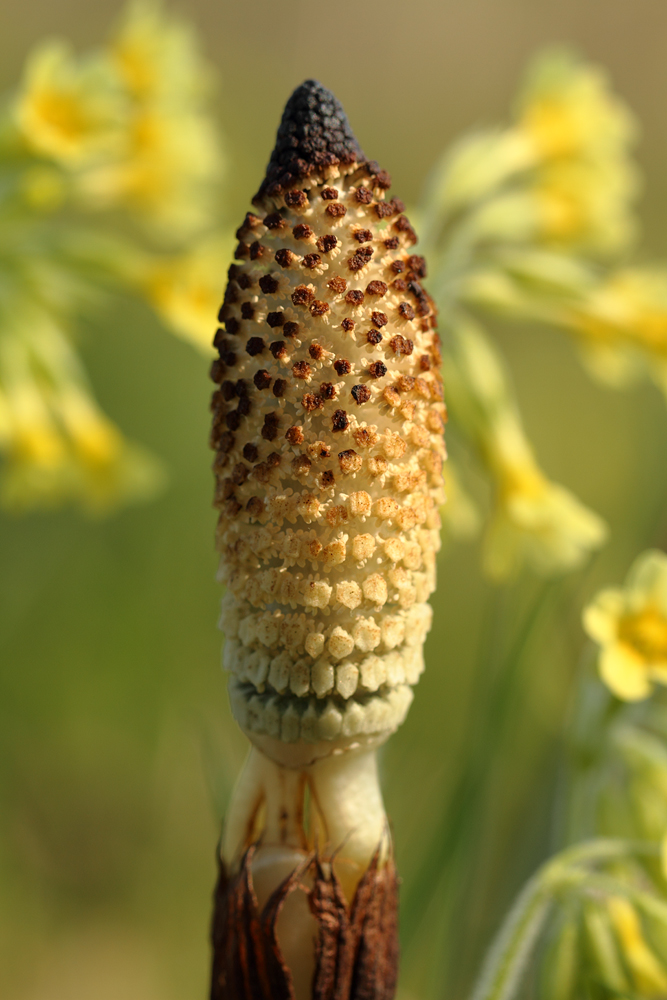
361 394
258 250
319 308
326 244
339 421
401 345
270 428
302 231
255 346
294 435
296 199
262 379
274 221
269 284
301 369
336 210
285 257
302 295
310 402
377 369
278 349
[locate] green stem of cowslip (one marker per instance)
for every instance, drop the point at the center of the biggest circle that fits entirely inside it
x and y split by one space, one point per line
459 824
514 945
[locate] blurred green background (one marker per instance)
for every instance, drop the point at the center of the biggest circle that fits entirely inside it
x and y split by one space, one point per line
117 748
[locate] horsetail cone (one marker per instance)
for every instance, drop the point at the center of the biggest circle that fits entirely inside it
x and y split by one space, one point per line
328 432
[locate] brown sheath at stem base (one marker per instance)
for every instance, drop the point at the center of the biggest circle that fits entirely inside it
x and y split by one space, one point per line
357 949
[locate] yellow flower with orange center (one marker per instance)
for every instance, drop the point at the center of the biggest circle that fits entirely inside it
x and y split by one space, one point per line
630 625
67 109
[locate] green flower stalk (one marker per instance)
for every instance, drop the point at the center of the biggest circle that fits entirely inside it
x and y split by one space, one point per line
327 427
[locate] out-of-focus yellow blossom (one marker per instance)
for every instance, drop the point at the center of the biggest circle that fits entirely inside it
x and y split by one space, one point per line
127 128
170 160
570 205
663 856
622 326
58 444
581 135
535 521
157 56
584 205
561 175
630 625
567 110
69 110
186 290
648 972
164 175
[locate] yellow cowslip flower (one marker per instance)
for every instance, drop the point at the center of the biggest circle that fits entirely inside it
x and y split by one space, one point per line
581 136
170 158
165 173
157 56
648 972
535 520
630 625
560 176
69 110
567 110
185 290
621 326
56 442
584 206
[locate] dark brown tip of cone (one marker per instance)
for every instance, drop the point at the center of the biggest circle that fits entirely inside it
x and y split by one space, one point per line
314 133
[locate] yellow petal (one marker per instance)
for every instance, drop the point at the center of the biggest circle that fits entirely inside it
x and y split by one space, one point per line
600 619
624 673
647 580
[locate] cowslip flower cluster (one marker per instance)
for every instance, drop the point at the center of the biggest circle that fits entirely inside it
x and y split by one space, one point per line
593 920
327 427
533 521
531 222
122 134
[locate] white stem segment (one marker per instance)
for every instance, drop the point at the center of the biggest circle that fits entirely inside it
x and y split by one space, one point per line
331 804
